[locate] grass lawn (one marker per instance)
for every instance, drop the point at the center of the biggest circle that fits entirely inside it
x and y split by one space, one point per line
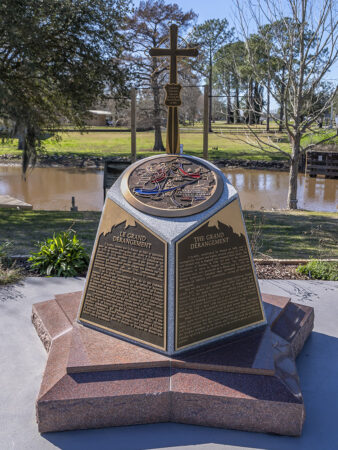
280 234
226 145
228 141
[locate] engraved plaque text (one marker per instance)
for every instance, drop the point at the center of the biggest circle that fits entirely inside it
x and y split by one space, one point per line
216 286
126 290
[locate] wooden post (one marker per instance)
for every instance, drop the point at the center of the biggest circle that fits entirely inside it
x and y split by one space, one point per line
74 207
133 124
206 122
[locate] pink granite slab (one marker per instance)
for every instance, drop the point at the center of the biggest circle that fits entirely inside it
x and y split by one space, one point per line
295 325
93 350
238 413
50 321
95 380
274 305
247 353
69 303
56 364
103 399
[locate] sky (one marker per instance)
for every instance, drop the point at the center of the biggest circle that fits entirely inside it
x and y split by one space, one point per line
220 9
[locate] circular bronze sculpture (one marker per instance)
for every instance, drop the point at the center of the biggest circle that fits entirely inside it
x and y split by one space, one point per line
171 186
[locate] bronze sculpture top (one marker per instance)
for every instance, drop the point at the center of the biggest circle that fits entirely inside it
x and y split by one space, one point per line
173 88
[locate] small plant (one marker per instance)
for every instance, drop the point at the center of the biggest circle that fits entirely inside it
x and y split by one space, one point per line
4 259
9 274
320 270
62 255
256 236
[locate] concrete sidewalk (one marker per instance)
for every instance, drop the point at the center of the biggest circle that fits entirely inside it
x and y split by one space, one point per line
22 359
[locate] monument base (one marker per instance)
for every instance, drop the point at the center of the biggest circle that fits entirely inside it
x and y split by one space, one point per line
93 380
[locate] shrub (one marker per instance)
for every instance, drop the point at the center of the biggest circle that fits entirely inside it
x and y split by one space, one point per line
62 255
320 270
9 274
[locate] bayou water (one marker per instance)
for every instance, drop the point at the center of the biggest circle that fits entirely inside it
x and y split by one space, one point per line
52 188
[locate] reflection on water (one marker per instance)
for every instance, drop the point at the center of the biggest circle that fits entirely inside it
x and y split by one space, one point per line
268 189
52 188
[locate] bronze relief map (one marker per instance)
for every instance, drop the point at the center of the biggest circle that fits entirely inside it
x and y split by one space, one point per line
172 186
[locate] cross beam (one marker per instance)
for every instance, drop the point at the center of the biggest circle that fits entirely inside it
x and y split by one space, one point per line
173 88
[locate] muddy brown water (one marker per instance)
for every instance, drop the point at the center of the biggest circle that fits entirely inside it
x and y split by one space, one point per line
52 188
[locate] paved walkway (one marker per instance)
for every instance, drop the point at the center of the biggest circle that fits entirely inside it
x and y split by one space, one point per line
22 360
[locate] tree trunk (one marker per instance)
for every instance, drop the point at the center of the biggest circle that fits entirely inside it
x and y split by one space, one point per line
21 134
158 144
28 142
250 103
282 93
210 92
293 174
238 118
268 107
228 103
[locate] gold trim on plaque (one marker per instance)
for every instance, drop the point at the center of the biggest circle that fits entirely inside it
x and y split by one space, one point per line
162 212
110 211
176 283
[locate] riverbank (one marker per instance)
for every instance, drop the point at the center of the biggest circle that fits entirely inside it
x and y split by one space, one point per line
272 234
97 162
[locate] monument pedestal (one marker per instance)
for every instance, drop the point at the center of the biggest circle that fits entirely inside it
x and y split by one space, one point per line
171 324
247 382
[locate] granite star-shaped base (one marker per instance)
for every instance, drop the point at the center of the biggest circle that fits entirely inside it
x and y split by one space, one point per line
94 380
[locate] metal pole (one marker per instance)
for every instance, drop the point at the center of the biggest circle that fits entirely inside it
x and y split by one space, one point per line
206 122
133 124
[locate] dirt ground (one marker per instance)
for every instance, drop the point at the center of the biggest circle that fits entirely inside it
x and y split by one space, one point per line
279 272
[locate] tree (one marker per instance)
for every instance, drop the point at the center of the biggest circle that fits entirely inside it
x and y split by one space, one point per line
149 27
226 76
210 36
307 49
190 95
56 59
237 60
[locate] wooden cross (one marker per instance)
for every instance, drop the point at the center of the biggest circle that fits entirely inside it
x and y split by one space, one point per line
173 88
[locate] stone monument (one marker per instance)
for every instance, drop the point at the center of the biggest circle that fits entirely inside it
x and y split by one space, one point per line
171 324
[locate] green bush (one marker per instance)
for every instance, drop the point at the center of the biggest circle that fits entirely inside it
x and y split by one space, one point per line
320 270
61 256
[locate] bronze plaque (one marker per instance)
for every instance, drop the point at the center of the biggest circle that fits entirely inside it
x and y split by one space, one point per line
126 286
173 92
171 186
216 286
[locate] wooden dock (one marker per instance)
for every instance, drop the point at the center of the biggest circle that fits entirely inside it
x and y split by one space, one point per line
8 202
324 163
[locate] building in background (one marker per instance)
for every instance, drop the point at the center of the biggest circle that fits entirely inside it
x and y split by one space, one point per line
99 118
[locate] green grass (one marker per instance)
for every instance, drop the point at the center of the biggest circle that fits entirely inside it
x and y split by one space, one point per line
227 145
283 234
319 135
296 234
228 141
